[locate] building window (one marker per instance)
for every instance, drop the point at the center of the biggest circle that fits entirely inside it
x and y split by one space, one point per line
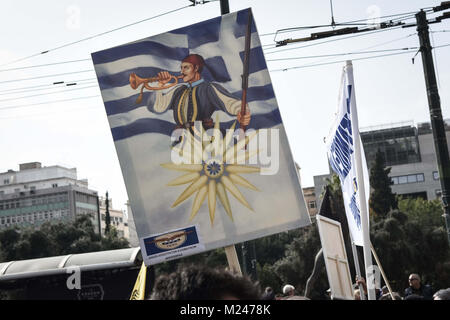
54 185
312 204
411 178
438 192
6 181
435 175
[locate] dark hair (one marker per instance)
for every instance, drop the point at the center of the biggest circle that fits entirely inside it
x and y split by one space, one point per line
443 294
202 283
387 296
414 297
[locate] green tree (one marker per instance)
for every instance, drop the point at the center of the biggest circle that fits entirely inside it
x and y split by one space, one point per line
412 239
107 215
298 262
55 239
382 200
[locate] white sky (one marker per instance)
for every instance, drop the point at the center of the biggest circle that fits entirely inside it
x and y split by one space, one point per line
76 133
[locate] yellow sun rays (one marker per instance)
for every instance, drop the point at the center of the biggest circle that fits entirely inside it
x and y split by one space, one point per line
212 172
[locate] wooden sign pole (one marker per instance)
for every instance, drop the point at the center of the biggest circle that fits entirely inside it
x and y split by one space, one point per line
232 259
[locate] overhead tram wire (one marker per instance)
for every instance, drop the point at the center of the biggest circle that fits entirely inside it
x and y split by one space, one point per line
47 76
343 54
384 25
334 62
332 40
48 93
45 65
40 114
337 24
204 2
95 36
319 62
53 85
47 102
283 69
343 61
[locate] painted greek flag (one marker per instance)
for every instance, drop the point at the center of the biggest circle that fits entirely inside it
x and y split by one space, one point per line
162 197
342 156
220 41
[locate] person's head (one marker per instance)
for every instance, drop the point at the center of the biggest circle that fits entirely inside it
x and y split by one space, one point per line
288 290
414 280
202 283
414 297
191 67
387 296
269 294
443 294
357 294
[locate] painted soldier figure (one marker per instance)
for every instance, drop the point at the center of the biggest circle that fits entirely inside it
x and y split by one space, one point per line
197 99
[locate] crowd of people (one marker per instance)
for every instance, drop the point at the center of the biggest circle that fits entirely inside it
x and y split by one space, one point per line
195 282
415 291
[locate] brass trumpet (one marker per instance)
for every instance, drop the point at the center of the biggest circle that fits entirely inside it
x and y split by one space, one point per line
136 81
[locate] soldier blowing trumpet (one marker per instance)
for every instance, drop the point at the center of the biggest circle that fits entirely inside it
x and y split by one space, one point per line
194 100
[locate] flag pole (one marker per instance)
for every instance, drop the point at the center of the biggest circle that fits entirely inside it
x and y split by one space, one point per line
362 194
382 271
357 269
230 251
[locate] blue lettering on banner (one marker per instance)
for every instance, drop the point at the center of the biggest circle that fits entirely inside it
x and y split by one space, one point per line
354 207
342 145
355 211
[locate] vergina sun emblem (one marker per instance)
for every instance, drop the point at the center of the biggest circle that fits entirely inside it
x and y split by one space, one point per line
217 173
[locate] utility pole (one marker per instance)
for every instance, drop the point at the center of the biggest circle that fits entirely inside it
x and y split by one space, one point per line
437 123
224 7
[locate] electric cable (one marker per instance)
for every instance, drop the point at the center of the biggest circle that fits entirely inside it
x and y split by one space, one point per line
46 102
50 85
47 76
48 93
336 39
44 65
341 61
95 36
342 54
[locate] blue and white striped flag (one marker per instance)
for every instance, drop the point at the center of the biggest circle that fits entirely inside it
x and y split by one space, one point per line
219 41
342 156
215 202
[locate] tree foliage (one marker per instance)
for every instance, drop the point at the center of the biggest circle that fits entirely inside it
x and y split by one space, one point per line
382 200
54 239
412 241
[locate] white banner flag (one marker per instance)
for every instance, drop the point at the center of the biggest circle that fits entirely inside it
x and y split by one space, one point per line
342 156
